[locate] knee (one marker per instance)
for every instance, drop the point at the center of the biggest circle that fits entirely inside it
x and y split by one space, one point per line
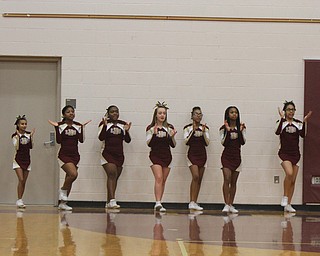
73 176
159 180
196 178
233 185
227 181
112 175
290 177
22 182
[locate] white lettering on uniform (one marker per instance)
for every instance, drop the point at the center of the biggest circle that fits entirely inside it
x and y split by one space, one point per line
234 135
24 140
161 134
115 131
291 129
198 133
70 132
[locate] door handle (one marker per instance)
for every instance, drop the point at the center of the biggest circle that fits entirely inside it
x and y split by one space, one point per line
51 141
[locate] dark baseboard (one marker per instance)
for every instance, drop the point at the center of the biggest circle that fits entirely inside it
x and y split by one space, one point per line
184 206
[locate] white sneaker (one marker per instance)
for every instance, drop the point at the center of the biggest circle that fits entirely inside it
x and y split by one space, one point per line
289 208
20 204
159 208
112 204
64 206
226 208
284 201
232 209
195 206
63 195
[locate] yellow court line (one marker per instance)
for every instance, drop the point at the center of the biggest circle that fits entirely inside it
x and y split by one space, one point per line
182 247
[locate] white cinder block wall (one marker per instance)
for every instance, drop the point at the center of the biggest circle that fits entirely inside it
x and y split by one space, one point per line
134 63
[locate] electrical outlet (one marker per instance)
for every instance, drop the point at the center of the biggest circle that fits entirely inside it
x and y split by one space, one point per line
276 179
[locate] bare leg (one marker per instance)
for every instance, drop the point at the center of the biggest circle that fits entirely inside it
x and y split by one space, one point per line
291 172
22 179
160 175
71 175
113 173
226 185
233 186
197 175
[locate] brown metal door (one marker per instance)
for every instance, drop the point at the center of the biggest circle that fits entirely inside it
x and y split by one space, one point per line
311 155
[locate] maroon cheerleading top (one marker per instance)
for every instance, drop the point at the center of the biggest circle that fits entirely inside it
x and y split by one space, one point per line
22 143
289 134
197 141
68 137
232 141
113 135
160 144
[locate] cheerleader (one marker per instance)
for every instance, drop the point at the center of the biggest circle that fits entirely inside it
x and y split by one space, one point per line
196 136
232 135
289 129
68 133
113 132
23 142
160 137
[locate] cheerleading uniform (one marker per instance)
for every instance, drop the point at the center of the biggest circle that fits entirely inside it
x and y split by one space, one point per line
289 139
68 137
113 135
160 144
197 141
22 143
232 141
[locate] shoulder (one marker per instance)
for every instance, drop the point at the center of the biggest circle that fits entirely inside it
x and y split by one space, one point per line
77 123
121 122
170 126
187 126
14 135
222 127
149 127
205 126
297 121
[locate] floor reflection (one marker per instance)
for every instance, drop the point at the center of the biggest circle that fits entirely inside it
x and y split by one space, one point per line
69 246
141 232
228 237
195 248
159 245
21 242
111 242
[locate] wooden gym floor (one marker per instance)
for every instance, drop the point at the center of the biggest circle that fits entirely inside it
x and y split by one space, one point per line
43 230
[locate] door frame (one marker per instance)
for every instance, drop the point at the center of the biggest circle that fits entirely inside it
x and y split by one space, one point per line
42 59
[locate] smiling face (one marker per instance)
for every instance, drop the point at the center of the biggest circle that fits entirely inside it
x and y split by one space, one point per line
113 114
22 125
290 111
68 113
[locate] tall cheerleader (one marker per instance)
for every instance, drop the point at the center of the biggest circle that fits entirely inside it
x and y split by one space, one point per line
23 142
289 130
160 137
196 136
68 134
113 132
232 135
